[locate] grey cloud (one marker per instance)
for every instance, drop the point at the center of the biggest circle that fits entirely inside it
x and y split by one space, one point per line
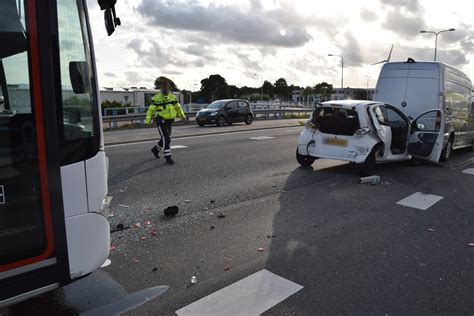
251 65
231 22
412 6
268 51
452 57
110 74
368 15
351 51
404 23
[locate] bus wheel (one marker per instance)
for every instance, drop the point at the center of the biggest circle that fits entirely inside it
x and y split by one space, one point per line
446 153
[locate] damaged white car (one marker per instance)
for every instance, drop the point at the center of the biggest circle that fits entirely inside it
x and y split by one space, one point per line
367 132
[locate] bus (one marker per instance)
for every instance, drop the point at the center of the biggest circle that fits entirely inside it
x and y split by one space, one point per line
53 178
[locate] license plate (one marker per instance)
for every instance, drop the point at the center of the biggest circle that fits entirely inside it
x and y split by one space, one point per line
336 142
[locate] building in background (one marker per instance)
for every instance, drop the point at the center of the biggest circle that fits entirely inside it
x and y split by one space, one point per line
140 97
353 94
300 97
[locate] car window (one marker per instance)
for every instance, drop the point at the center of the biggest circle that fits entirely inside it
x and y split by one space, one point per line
243 104
232 105
379 115
393 116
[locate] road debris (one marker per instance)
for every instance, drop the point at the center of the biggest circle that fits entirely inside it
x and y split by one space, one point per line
372 180
471 244
226 268
271 236
212 201
261 249
431 230
154 269
147 209
110 215
194 279
143 238
220 215
135 260
187 201
137 225
113 247
124 205
212 227
147 224
154 232
119 227
171 211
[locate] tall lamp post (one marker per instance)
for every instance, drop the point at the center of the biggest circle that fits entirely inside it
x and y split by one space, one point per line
261 89
368 78
436 38
342 72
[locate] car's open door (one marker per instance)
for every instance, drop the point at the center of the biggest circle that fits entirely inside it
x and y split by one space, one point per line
427 136
381 126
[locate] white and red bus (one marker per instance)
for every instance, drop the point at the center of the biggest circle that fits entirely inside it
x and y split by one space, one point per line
53 168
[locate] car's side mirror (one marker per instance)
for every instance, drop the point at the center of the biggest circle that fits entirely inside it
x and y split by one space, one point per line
79 76
110 18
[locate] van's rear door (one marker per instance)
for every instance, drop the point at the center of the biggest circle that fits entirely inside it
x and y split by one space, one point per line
427 136
392 84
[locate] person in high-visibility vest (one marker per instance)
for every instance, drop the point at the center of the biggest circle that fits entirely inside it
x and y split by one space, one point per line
163 110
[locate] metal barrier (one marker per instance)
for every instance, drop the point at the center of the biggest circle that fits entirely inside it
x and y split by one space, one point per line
112 120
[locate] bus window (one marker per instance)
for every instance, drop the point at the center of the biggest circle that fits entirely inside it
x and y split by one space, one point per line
22 224
80 121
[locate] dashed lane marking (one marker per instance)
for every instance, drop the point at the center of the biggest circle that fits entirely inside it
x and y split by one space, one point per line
419 200
261 137
469 171
252 295
178 146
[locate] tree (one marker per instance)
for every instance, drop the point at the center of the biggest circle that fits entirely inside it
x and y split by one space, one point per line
281 88
214 88
308 91
160 79
324 89
268 88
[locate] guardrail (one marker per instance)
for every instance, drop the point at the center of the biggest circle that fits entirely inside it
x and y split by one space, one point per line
113 120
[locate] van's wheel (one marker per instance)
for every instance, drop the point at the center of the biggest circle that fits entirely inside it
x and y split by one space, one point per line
448 149
248 119
369 167
304 160
220 121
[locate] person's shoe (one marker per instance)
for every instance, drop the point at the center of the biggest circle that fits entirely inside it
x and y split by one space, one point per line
169 160
156 152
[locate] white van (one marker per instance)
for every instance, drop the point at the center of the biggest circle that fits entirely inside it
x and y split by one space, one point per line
416 87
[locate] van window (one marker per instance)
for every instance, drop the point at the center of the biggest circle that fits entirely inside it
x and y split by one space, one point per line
336 121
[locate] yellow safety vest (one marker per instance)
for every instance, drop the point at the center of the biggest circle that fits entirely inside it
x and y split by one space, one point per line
164 106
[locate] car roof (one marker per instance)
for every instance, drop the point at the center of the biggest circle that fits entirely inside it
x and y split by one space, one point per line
349 104
228 100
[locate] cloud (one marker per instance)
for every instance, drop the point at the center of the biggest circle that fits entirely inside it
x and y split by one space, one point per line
412 6
282 27
368 15
404 23
351 51
110 74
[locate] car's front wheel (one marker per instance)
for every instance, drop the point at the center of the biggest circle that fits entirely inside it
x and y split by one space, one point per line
446 153
220 121
304 160
249 119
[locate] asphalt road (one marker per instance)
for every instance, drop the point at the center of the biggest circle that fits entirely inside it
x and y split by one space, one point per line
351 247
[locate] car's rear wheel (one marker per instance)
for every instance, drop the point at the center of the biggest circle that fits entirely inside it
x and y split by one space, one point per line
249 119
304 160
446 153
220 121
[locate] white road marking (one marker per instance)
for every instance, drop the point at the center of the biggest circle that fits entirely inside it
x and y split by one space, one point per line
252 295
261 137
178 146
419 200
469 171
289 128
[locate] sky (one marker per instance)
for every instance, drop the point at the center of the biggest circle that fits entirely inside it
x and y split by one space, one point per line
249 41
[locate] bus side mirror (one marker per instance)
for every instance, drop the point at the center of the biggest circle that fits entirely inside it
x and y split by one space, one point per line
79 76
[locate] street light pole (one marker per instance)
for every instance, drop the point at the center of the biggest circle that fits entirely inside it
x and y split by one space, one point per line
261 88
368 78
342 72
436 38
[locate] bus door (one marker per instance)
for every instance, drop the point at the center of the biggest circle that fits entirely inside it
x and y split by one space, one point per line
33 254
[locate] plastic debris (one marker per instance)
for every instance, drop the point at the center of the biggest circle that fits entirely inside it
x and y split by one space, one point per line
261 249
120 227
372 180
194 279
431 230
213 227
220 215
187 201
147 224
110 215
171 210
226 268
471 244
154 270
124 205
137 225
212 201
135 260
121 191
106 263
143 238
154 232
113 247
147 209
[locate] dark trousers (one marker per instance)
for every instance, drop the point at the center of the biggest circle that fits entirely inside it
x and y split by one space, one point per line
164 128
